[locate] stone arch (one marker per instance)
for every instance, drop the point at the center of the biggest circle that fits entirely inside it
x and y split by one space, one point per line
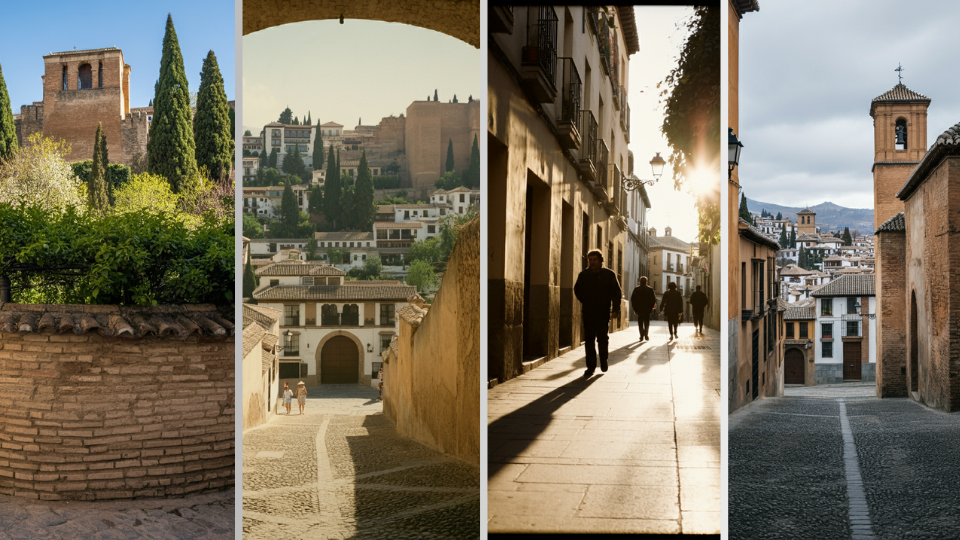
325 339
914 354
900 125
456 18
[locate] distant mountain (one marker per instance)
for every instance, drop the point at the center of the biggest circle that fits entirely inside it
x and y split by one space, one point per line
830 217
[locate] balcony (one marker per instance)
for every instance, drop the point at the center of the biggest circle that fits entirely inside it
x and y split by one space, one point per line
614 203
615 90
592 13
538 65
758 309
500 20
570 92
603 42
603 155
588 146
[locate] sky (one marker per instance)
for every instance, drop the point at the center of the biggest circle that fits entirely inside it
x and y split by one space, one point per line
808 72
31 31
358 70
660 44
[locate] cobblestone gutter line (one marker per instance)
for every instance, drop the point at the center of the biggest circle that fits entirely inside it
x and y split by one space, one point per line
860 523
327 488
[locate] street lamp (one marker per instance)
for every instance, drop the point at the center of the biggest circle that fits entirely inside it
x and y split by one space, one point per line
733 150
656 164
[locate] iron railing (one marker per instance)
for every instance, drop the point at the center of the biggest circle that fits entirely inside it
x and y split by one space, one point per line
602 157
588 131
542 40
603 42
570 91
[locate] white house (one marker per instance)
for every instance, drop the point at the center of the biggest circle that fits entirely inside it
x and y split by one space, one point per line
845 329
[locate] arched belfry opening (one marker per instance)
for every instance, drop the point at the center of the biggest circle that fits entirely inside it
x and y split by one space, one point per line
900 132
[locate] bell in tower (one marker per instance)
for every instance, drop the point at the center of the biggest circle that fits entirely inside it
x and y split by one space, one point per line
901 133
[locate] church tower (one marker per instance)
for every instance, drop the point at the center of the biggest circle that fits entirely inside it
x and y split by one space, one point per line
806 222
899 142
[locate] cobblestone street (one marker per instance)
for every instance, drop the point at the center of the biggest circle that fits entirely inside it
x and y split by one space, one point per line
632 450
837 464
207 516
341 471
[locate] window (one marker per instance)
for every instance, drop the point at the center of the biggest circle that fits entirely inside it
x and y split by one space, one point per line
274 282
853 328
827 349
85 77
65 80
826 330
385 340
375 368
462 197
851 305
100 75
291 345
431 229
329 315
307 280
351 315
826 307
291 315
790 330
388 314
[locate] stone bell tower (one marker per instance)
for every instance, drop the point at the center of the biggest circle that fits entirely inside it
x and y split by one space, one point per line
806 222
899 142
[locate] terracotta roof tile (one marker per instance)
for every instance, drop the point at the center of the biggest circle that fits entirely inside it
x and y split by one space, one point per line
894 224
119 321
848 285
335 292
901 93
300 268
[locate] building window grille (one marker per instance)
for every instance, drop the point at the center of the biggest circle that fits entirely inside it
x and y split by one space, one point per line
388 314
385 341
790 330
291 315
803 330
826 330
291 345
826 307
329 315
827 349
351 315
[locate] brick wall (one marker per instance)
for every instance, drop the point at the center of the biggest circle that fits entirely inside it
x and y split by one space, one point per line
98 416
891 315
133 132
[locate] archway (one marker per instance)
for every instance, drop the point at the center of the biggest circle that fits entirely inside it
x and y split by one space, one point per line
455 18
914 374
339 361
793 364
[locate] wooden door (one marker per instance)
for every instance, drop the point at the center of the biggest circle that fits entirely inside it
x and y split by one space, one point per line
340 362
851 361
793 367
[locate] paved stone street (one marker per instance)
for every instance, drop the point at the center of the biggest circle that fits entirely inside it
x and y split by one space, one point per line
206 516
838 464
341 471
632 450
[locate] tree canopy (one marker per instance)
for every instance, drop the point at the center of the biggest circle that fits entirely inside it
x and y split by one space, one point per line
212 129
8 132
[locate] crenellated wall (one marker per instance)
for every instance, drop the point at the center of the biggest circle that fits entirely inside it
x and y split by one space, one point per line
107 402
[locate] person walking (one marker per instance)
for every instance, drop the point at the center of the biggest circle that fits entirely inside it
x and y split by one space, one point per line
380 385
698 301
301 396
672 306
287 397
599 294
643 300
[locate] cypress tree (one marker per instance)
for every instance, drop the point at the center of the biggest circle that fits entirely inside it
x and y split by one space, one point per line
286 117
331 190
364 211
435 95
8 133
779 216
211 125
274 155
315 204
249 281
847 239
308 122
455 99
744 211
318 149
471 177
783 239
170 151
296 121
793 238
97 186
348 215
289 211
449 166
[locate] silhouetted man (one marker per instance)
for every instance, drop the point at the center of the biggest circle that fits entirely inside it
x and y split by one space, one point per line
698 301
671 305
597 289
643 301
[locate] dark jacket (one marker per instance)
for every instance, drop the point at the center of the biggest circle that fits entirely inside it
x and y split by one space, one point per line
698 301
643 300
672 302
597 292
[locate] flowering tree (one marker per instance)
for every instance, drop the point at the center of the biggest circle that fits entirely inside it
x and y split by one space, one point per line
37 175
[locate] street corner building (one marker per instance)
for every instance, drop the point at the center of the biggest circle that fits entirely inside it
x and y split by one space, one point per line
917 215
558 130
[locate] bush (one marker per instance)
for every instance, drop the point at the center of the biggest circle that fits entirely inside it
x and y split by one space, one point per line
38 175
386 182
144 257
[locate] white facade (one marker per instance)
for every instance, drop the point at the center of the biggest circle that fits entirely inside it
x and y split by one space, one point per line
840 314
